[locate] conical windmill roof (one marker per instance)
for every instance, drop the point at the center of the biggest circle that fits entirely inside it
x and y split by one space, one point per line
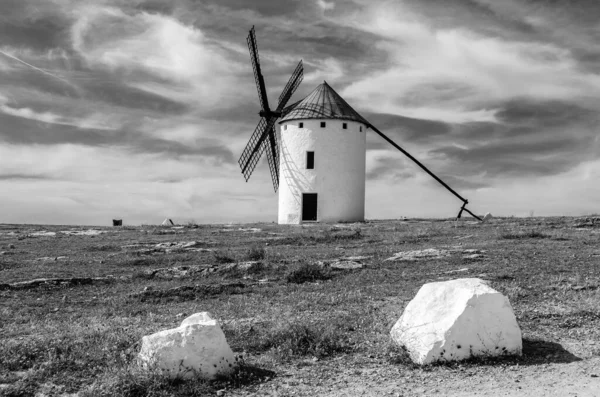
322 103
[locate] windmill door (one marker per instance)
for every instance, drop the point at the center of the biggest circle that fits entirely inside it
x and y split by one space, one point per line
309 206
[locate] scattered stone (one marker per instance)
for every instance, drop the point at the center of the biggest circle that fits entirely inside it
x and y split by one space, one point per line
242 266
584 287
39 282
196 348
455 320
190 291
180 246
250 229
346 265
587 222
465 269
51 258
473 254
473 251
42 234
474 257
430 253
89 232
176 272
355 258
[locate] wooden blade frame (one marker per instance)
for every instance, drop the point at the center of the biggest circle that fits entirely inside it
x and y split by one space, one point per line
258 142
258 77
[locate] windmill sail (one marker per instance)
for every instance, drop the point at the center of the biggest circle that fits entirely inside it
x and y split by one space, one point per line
264 137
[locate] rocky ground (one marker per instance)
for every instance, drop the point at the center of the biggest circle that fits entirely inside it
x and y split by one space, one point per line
308 308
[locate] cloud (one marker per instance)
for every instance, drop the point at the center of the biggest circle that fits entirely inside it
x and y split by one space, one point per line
326 5
53 118
158 53
457 75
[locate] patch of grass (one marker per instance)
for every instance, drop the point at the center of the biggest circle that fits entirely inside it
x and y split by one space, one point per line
256 254
137 262
130 381
223 257
308 272
512 235
398 355
297 338
104 248
332 236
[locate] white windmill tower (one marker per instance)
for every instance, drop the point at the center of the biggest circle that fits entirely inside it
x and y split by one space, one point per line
322 160
319 163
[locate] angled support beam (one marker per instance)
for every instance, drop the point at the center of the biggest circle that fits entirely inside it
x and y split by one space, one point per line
465 201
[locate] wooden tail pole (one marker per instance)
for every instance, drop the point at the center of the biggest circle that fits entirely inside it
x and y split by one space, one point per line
465 201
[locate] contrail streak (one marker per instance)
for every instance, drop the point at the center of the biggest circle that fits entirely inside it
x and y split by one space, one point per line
38 69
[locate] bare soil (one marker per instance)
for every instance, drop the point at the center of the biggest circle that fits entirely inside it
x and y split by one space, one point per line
308 308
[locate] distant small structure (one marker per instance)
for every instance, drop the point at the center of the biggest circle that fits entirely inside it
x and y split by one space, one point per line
167 222
487 217
117 222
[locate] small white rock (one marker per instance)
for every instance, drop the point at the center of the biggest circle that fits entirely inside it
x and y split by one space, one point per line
196 348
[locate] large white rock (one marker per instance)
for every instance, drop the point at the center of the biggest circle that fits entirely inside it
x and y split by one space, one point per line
457 319
196 348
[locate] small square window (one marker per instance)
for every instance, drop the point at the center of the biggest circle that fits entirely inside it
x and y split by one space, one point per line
300 125
310 160
345 126
322 124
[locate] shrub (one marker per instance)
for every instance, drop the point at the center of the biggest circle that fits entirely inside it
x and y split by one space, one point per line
256 254
308 273
222 257
523 235
297 339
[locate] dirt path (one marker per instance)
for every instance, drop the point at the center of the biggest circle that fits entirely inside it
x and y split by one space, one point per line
352 376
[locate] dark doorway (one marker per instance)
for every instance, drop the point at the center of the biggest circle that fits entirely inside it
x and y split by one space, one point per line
309 206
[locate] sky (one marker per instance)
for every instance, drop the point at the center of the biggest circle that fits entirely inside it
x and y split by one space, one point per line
139 109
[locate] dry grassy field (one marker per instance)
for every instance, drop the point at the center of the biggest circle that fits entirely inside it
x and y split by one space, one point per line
308 308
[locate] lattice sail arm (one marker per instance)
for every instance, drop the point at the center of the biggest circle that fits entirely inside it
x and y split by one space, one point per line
260 81
273 157
291 86
253 150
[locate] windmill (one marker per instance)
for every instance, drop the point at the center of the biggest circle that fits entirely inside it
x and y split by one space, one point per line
320 158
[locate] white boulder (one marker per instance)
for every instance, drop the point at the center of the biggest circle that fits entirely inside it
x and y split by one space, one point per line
196 348
455 320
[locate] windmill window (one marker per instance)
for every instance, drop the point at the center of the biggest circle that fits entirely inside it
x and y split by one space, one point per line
310 160
361 128
300 125
285 127
322 124
345 126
